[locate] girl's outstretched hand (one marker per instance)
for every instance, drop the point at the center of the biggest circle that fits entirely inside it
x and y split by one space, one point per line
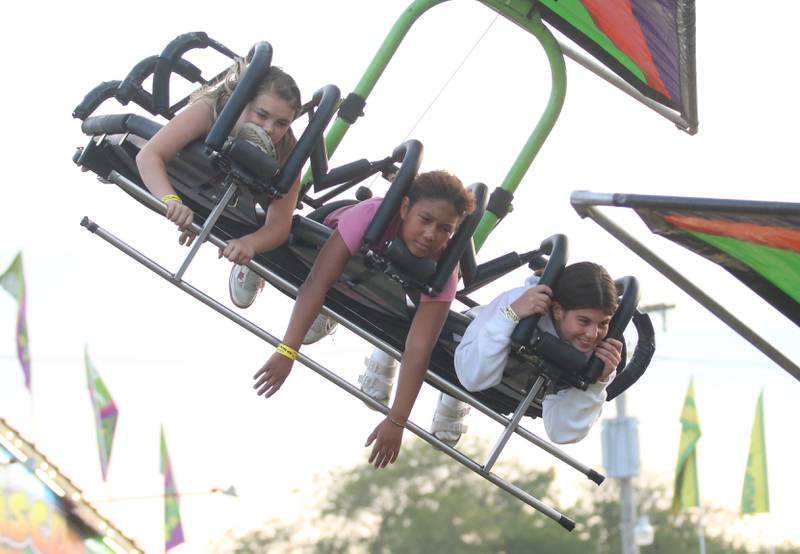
272 375
387 437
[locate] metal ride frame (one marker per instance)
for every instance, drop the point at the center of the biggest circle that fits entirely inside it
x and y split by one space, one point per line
525 14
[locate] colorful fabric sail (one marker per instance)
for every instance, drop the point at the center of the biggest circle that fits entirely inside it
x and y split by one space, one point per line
757 242
105 413
173 531
687 491
13 280
648 43
755 492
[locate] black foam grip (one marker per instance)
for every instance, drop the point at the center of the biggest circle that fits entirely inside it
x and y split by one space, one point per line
244 92
410 153
620 320
94 98
357 170
642 355
557 247
462 239
326 99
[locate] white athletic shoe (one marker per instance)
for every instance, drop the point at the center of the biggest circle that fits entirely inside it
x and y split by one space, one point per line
448 419
378 379
321 328
244 285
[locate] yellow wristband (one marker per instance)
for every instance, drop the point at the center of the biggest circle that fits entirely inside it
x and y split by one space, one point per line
287 351
167 197
395 422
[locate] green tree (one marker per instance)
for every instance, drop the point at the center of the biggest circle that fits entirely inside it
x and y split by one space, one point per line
426 503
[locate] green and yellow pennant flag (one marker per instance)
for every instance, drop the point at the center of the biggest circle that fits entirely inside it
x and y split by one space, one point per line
687 490
755 492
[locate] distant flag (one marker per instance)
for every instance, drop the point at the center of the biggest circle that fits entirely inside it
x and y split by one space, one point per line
13 280
105 412
687 491
755 492
173 532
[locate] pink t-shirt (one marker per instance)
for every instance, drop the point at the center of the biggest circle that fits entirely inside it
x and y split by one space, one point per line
352 222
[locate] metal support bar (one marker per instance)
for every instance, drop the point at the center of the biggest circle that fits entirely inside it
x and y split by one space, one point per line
206 230
520 411
610 77
535 503
288 288
687 286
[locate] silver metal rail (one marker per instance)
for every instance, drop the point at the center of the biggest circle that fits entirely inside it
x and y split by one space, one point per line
512 489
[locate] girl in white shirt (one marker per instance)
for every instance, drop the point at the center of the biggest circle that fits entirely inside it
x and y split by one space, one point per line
578 310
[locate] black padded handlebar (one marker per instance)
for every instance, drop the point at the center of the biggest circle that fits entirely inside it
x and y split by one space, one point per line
242 94
462 239
629 289
642 354
410 154
169 58
557 247
326 101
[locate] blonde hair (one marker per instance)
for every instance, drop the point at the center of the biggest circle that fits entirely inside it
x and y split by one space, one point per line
276 81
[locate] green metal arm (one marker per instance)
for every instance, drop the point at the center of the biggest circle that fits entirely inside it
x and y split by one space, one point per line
523 14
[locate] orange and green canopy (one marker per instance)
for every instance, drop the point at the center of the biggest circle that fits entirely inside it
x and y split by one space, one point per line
758 242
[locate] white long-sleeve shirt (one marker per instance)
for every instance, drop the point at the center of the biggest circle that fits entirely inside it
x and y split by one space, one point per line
481 358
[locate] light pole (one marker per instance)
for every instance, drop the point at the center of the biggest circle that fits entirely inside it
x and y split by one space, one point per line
621 460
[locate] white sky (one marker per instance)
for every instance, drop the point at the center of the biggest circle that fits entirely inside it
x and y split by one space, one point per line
167 358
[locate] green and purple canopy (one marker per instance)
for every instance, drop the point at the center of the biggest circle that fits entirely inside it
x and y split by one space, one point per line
649 44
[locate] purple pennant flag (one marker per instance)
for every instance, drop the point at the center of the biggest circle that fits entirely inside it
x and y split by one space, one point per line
105 413
173 531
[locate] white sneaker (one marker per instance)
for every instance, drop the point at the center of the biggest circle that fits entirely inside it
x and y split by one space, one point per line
321 328
378 379
448 419
244 285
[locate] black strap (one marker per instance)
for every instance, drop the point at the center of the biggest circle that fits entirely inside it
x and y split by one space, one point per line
500 202
352 108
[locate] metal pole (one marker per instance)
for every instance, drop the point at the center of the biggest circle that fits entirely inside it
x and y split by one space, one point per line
521 409
701 533
206 230
626 499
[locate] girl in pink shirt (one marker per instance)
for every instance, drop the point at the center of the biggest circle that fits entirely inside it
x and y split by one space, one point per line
435 205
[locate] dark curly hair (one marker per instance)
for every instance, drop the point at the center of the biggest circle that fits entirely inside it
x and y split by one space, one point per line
441 185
